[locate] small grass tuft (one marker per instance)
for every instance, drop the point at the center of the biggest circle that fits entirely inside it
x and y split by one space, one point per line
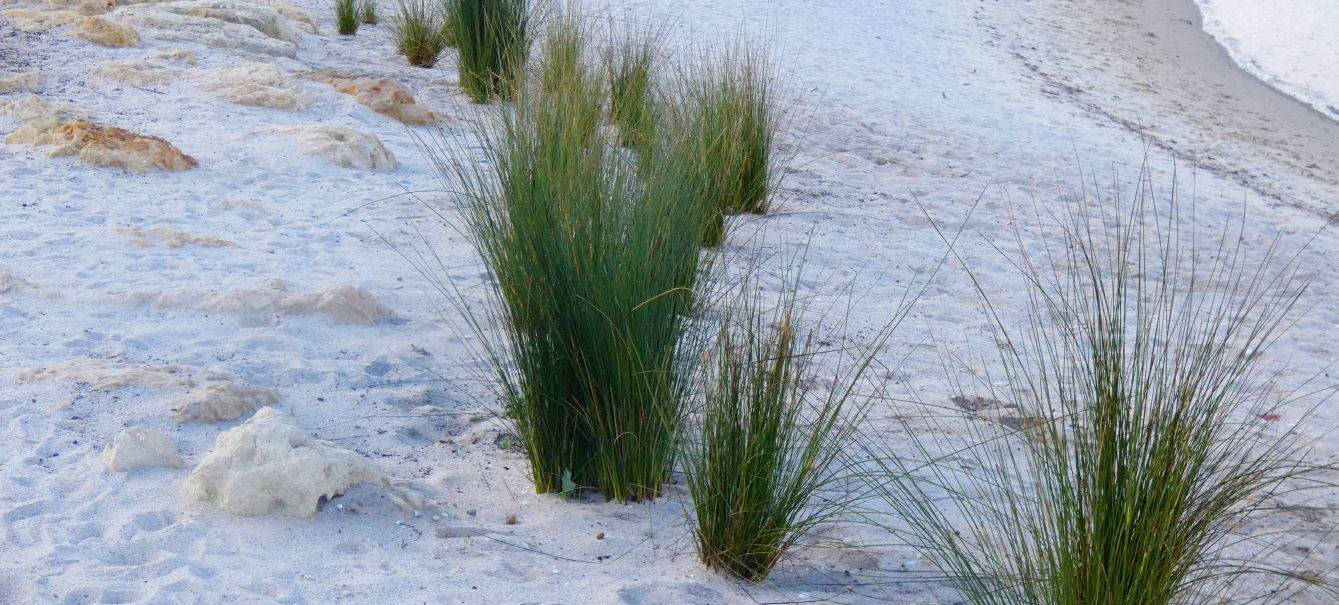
347 16
369 12
729 100
566 75
448 10
629 64
493 37
1149 447
767 466
417 29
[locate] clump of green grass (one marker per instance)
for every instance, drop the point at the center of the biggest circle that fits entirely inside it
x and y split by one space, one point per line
729 100
767 464
417 29
1149 444
595 269
369 12
566 76
346 16
629 65
448 9
493 37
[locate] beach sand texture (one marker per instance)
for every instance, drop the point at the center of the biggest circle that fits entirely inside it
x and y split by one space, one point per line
276 267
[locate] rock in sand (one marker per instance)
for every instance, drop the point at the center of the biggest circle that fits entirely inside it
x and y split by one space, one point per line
382 95
104 31
343 146
269 462
107 146
259 84
219 401
28 80
139 447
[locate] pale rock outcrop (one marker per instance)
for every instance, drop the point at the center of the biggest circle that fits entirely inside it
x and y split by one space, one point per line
343 146
264 19
85 7
23 81
42 119
96 29
11 283
176 54
32 108
196 21
219 401
104 31
299 17
104 375
200 396
343 304
172 238
259 84
269 462
139 73
30 20
382 95
107 146
141 446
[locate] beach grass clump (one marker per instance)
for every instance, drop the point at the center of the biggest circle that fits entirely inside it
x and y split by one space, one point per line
767 463
629 65
347 16
418 32
493 37
566 75
369 12
728 98
1148 441
448 10
595 275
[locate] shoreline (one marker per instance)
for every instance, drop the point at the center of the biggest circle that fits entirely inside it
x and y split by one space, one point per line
1150 66
1171 17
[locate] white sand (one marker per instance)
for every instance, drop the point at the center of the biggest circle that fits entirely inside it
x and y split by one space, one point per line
935 100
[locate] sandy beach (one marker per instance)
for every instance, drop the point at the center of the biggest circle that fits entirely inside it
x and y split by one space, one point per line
275 273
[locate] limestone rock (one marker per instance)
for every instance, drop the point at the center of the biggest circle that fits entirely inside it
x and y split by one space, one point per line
263 19
176 54
105 375
32 108
268 463
343 304
343 146
98 30
28 19
382 95
11 283
28 80
43 119
139 73
200 396
172 238
302 18
218 401
85 7
259 84
138 447
104 31
109 146
193 21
